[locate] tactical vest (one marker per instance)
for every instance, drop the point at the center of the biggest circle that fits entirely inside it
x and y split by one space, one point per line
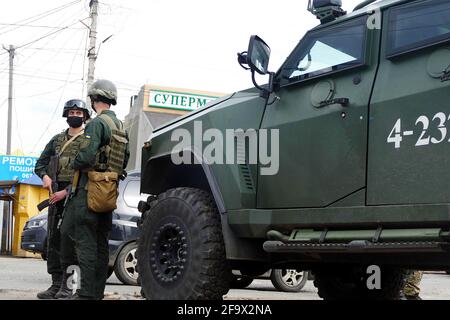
65 172
114 152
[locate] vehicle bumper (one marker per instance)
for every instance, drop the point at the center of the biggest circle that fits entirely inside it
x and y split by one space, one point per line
33 240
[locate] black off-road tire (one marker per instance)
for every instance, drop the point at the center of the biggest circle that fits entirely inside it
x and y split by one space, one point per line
125 266
240 282
296 279
350 283
181 252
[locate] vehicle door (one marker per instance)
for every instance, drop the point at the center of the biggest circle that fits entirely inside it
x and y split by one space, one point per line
321 112
408 135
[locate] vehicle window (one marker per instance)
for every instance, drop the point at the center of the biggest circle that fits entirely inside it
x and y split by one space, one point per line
326 51
132 194
419 25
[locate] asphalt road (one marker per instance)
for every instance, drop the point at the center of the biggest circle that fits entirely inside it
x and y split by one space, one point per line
22 278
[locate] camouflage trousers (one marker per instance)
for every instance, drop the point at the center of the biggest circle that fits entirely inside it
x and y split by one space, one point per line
54 239
89 232
412 283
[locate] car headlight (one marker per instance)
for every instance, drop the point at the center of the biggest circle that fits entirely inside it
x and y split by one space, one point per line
36 223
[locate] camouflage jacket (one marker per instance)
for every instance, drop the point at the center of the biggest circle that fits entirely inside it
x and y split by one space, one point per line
53 148
97 134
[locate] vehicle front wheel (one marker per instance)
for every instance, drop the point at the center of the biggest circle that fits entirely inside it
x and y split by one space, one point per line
289 280
181 252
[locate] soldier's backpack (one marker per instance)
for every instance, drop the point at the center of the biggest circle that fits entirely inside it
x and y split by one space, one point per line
103 180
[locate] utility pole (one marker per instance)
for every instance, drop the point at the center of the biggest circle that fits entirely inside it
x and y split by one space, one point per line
6 224
10 97
92 54
11 52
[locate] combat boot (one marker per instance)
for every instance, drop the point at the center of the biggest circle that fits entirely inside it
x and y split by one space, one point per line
415 297
63 291
51 292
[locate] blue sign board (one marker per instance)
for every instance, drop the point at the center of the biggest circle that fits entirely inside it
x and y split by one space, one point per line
16 167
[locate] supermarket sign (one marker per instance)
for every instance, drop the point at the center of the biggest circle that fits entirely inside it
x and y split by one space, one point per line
16 167
178 100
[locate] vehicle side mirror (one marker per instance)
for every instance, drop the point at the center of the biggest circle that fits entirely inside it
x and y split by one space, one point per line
258 55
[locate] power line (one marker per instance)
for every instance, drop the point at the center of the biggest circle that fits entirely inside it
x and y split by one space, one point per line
3 103
48 92
45 12
59 101
40 16
45 72
3 70
55 32
40 77
5 61
47 35
49 39
42 66
52 49
34 76
32 26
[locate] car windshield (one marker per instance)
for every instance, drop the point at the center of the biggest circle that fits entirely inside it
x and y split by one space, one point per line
325 51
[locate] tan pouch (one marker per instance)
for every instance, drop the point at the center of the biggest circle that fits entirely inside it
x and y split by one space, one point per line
102 191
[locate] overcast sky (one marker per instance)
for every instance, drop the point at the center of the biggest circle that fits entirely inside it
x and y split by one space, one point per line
176 43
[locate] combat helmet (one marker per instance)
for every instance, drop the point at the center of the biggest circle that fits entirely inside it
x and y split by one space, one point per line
76 104
103 89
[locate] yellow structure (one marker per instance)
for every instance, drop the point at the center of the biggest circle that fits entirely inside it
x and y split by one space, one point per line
27 197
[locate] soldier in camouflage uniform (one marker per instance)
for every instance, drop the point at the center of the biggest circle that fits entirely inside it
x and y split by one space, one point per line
76 113
411 289
90 230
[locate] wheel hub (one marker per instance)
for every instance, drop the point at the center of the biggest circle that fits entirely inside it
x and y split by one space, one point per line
130 264
168 253
292 277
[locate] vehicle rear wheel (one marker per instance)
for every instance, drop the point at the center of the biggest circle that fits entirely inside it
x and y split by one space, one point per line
289 280
341 283
125 267
240 282
181 252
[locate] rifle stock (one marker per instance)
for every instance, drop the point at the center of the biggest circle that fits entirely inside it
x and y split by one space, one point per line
72 187
44 204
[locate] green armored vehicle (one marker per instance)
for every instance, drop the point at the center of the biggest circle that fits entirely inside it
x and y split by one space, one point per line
337 165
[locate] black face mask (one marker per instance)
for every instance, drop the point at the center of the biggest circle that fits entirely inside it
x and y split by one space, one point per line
75 122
